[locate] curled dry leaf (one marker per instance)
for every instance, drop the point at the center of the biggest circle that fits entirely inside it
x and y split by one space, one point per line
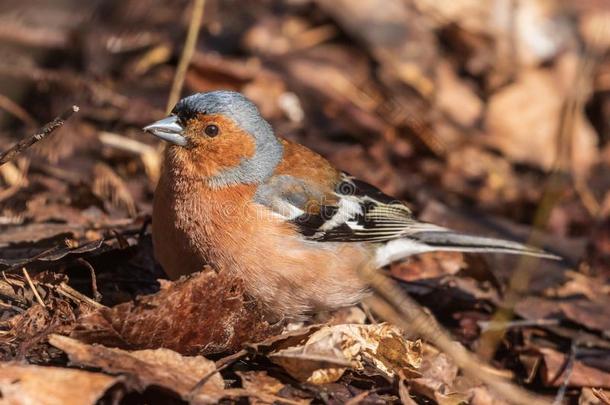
200 314
260 381
438 376
554 372
262 389
529 133
292 337
26 384
441 382
330 351
161 367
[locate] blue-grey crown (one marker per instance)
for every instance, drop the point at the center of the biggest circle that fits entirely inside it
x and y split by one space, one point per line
228 103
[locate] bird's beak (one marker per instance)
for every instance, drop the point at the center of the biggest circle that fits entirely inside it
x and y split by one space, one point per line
168 129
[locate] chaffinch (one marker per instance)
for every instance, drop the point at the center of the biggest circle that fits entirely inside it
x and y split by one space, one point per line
279 216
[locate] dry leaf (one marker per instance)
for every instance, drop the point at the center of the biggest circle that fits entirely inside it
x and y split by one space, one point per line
108 186
582 375
593 396
261 383
428 265
27 384
330 351
456 98
523 121
263 389
160 367
441 382
401 41
199 314
438 374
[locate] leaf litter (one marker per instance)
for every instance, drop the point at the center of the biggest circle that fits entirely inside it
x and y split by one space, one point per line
460 108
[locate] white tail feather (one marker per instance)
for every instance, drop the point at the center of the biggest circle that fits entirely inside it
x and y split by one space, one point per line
440 240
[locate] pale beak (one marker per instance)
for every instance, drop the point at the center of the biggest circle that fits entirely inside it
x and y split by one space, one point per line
168 129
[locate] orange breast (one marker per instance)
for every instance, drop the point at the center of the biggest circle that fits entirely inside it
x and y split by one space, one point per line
194 225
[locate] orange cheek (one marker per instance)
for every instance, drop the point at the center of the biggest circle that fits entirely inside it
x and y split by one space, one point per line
210 156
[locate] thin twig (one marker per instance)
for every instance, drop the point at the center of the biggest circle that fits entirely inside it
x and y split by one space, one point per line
96 294
67 291
568 369
491 325
38 136
38 297
187 53
359 399
219 366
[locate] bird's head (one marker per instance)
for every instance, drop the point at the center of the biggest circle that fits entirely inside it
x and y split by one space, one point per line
222 136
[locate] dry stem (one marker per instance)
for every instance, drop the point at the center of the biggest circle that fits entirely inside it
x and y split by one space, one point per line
187 53
38 136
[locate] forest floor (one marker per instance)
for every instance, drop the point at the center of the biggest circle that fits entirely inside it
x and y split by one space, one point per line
487 117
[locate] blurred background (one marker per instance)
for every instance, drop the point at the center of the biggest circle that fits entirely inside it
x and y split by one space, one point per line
486 116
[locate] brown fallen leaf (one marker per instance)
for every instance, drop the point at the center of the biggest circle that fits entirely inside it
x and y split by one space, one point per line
27 384
143 368
200 314
428 265
399 39
581 374
594 315
440 381
263 389
110 187
259 381
528 134
456 98
330 351
594 396
284 340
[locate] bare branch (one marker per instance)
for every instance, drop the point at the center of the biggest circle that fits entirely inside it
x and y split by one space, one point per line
38 136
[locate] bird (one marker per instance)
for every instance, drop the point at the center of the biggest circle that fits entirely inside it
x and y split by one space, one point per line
235 196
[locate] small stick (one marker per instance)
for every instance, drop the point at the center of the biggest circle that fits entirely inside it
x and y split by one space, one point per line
494 325
67 291
568 368
96 294
38 297
187 53
38 136
219 366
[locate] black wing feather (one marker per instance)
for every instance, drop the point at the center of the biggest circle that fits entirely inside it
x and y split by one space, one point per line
379 218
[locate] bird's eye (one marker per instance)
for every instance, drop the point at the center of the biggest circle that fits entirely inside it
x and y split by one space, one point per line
211 130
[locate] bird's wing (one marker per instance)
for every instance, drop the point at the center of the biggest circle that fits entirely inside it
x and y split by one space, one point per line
353 211
359 212
325 205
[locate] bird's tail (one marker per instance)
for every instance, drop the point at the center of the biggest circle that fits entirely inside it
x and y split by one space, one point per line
429 238
455 241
